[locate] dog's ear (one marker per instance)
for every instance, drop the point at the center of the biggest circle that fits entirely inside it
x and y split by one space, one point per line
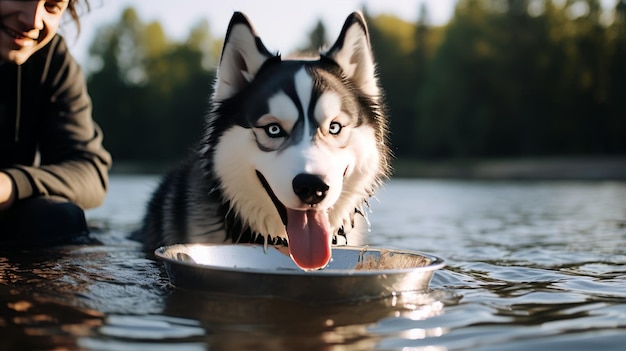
353 52
242 56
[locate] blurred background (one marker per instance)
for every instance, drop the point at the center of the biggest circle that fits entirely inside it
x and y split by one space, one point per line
474 88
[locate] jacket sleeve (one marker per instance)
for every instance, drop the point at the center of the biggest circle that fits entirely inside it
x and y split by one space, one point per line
73 162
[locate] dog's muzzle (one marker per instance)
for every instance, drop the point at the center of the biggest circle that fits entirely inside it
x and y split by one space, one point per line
282 211
308 230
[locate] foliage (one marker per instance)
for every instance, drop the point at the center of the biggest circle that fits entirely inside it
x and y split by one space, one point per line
150 93
317 40
504 82
502 78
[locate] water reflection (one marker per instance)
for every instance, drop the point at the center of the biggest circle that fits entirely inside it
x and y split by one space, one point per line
104 297
530 266
151 332
108 279
279 324
33 322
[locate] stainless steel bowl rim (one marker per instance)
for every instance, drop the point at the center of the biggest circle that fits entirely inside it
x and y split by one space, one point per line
435 264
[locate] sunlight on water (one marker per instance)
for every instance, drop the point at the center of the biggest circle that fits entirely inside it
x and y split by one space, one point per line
531 265
136 330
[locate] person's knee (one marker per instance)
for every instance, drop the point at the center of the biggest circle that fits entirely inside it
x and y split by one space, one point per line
44 221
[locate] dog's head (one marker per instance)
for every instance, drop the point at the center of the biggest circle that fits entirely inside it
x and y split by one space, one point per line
298 145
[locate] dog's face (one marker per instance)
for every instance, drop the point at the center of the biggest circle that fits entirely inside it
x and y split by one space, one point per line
299 145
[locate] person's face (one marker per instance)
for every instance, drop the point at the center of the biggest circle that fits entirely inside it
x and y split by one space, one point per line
26 26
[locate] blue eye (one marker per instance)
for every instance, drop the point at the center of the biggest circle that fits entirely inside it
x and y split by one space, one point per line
274 130
335 128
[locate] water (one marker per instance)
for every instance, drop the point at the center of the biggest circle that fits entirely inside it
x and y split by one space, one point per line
531 265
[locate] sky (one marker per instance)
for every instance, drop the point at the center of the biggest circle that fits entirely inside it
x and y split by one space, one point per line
281 24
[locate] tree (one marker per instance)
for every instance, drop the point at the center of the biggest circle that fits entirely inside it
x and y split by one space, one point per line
150 93
505 82
616 104
316 39
503 78
393 44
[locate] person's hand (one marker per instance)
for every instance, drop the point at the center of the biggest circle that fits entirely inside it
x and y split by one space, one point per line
7 193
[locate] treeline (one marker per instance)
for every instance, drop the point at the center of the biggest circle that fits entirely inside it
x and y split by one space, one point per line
150 94
504 78
507 78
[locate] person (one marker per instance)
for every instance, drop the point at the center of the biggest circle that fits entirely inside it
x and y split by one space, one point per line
52 161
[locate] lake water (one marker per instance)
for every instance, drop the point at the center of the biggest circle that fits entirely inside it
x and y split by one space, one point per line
531 266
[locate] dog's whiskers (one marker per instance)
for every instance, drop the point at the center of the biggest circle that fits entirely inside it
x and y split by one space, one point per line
365 214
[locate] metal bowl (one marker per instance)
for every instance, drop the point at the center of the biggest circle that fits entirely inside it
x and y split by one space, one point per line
354 273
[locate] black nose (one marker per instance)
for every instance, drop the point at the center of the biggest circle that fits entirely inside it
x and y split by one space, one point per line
310 188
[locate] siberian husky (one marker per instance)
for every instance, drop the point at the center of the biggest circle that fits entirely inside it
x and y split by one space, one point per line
291 151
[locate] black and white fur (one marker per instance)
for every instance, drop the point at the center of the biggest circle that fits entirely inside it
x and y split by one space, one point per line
288 143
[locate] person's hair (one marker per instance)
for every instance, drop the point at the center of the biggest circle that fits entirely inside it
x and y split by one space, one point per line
74 12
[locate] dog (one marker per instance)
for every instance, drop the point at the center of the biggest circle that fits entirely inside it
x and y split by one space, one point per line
291 151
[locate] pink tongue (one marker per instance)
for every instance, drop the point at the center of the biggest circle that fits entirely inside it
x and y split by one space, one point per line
309 238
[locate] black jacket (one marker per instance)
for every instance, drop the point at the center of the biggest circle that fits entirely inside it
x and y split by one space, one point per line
49 143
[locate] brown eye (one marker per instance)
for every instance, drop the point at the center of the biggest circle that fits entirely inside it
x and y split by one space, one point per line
335 128
54 7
